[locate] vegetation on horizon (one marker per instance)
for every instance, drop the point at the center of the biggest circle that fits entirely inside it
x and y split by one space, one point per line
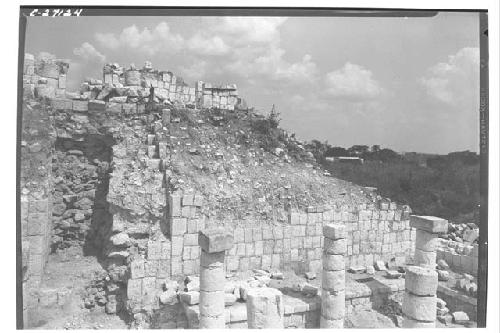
441 185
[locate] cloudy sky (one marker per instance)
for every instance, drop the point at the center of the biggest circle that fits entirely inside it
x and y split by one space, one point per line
409 84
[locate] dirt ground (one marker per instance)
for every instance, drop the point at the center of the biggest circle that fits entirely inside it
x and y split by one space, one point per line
72 272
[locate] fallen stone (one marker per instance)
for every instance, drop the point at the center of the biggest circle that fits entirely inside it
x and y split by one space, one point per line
391 274
440 303
442 264
471 235
277 276
357 269
260 272
190 297
446 319
380 265
468 277
229 299
192 283
443 275
265 308
168 297
370 270
309 290
460 317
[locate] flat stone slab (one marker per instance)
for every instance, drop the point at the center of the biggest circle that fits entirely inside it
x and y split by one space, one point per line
215 240
430 224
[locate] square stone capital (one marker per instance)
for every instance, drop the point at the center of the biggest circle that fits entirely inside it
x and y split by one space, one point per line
432 224
334 231
215 240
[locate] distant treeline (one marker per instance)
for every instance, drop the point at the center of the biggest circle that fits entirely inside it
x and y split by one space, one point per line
441 185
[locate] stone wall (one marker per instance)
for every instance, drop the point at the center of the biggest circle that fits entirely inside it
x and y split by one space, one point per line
374 233
461 257
134 84
44 76
37 141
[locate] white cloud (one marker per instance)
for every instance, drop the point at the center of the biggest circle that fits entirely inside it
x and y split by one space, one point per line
455 81
204 45
147 41
89 53
248 30
196 71
352 82
246 46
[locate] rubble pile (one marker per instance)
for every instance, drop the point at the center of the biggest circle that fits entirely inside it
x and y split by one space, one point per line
467 233
76 180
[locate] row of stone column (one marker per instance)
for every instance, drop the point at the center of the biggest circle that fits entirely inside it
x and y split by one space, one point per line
265 305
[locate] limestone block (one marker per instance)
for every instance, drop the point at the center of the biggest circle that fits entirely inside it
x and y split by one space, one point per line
333 305
338 246
96 105
211 303
429 223
175 204
333 262
212 260
265 308
327 323
177 245
190 297
191 239
424 258
61 104
134 288
333 280
412 323
80 106
421 281
178 226
137 269
421 308
216 322
238 312
426 241
212 279
215 240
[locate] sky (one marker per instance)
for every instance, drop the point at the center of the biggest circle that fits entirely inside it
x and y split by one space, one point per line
408 84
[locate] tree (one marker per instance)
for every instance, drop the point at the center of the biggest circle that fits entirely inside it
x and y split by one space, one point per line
358 150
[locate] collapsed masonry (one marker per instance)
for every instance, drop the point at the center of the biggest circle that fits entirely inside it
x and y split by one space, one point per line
108 182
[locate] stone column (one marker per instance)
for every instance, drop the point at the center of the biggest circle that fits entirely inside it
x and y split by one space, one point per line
426 242
265 308
333 277
213 243
419 302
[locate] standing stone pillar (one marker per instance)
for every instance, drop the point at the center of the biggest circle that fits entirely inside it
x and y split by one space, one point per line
426 241
265 308
419 302
213 243
333 277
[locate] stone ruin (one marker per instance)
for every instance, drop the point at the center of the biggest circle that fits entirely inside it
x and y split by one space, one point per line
95 170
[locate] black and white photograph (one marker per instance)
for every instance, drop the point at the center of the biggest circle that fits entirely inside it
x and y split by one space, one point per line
270 168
